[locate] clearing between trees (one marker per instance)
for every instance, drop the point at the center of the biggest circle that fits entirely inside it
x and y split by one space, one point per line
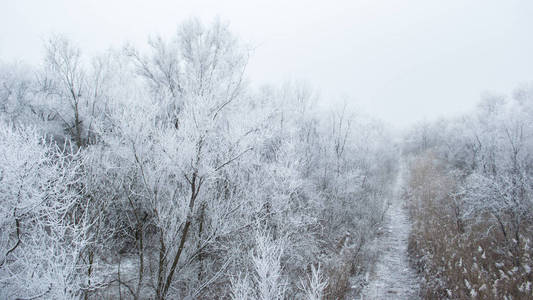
392 277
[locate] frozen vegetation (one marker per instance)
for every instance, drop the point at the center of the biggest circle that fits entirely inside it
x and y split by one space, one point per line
161 173
470 195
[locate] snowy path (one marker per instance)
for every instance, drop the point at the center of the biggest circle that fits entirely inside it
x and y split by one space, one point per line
392 277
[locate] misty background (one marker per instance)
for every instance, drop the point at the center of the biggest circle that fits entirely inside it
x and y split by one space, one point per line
177 150
400 61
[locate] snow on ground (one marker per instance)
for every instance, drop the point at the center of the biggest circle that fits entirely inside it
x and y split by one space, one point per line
392 277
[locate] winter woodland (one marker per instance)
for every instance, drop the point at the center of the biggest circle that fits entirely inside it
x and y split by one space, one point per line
160 172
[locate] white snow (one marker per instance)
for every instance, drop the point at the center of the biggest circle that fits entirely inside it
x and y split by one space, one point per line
393 278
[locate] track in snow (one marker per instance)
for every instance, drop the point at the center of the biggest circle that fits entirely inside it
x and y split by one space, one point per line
393 278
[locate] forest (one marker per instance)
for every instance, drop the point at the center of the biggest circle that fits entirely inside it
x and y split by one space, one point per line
161 172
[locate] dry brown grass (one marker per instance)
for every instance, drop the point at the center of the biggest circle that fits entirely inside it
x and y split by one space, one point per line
460 259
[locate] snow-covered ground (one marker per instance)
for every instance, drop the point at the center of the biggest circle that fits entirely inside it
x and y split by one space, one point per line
392 277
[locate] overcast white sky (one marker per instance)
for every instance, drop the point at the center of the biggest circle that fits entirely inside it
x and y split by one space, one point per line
402 61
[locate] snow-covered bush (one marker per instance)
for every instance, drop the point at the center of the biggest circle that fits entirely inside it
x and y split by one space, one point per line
44 227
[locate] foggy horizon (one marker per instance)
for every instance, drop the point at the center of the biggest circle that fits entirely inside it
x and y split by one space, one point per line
401 62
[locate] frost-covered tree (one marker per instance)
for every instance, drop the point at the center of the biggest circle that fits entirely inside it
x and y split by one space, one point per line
474 180
173 178
44 225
